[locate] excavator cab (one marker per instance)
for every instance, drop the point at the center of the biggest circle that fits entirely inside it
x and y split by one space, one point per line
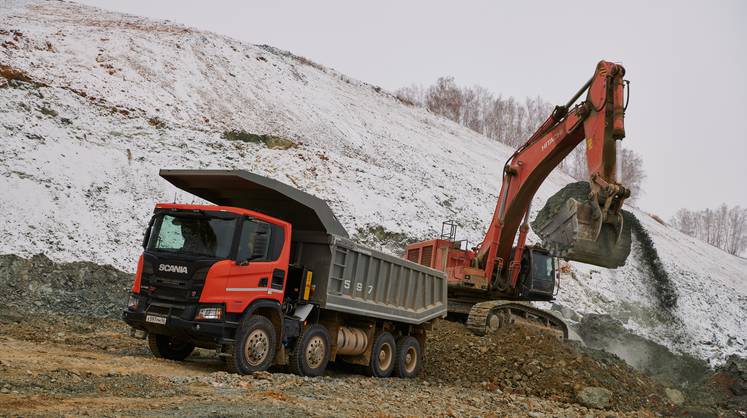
537 277
574 226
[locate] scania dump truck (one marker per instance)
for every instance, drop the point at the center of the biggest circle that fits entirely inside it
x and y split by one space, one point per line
267 275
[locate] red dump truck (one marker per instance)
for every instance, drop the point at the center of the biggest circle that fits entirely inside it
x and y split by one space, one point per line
268 276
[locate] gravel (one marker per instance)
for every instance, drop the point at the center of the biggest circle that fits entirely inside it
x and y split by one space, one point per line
528 362
40 285
515 371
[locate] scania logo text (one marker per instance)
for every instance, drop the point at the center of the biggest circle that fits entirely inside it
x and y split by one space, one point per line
172 268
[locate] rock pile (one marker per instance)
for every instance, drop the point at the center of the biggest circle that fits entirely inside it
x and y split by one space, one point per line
527 362
731 379
40 285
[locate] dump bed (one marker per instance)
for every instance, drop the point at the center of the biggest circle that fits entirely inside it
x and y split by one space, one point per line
347 277
354 279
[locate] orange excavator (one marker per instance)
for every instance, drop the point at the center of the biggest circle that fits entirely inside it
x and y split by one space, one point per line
493 282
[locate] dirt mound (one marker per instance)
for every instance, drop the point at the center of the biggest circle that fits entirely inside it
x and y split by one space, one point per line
40 285
731 382
528 362
601 332
110 335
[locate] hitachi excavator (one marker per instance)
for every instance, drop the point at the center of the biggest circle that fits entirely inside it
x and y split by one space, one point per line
492 283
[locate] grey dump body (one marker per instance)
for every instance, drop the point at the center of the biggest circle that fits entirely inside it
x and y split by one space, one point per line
358 280
346 276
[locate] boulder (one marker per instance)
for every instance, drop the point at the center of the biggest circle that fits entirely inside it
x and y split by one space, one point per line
675 396
595 397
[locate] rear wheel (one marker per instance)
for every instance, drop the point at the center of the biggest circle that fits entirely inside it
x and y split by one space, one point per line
311 353
409 357
254 349
171 348
382 355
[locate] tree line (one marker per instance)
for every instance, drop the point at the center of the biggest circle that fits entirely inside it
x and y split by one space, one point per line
507 120
724 227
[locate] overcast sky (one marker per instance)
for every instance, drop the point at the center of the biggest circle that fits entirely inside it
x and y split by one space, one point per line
686 60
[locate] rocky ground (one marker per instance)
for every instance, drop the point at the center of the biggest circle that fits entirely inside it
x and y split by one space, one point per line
51 365
57 359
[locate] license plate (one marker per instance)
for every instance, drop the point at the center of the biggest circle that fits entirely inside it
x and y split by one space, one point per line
155 319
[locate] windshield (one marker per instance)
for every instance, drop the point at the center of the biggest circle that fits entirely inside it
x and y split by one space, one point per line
193 235
543 272
542 266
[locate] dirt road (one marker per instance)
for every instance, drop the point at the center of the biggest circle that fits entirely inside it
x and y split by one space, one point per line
55 366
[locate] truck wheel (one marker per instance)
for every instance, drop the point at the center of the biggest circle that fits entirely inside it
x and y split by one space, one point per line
311 353
254 349
171 348
382 355
409 358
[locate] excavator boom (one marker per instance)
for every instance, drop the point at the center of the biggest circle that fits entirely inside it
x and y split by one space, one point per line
574 230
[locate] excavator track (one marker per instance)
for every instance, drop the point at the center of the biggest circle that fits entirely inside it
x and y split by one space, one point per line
485 317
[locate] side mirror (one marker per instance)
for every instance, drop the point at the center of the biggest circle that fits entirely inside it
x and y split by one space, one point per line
148 230
146 237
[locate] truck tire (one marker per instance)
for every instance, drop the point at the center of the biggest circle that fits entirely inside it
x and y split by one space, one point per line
409 358
171 348
254 349
382 355
311 353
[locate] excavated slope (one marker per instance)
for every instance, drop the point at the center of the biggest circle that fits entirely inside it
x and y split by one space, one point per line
93 103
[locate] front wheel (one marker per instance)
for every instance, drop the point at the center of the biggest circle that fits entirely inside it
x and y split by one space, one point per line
254 349
171 348
311 353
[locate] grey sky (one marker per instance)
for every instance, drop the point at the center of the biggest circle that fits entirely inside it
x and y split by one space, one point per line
687 62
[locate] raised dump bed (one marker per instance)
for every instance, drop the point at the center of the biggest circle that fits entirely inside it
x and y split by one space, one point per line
347 276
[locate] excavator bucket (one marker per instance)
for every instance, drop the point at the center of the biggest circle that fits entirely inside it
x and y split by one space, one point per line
572 227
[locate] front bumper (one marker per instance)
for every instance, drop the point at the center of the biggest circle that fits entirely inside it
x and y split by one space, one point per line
179 322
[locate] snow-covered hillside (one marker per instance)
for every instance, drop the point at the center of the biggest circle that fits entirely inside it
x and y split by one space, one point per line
113 98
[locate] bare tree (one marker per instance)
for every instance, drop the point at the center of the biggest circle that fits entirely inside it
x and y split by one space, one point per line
445 98
413 95
476 104
723 227
632 172
507 120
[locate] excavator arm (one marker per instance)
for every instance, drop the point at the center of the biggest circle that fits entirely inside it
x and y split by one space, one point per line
576 231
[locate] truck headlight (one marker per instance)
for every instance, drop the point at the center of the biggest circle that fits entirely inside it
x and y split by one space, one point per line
132 302
212 313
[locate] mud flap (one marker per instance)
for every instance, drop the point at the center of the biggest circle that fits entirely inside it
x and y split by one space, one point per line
573 228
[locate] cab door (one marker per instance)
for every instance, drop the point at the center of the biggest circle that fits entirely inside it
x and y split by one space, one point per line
259 273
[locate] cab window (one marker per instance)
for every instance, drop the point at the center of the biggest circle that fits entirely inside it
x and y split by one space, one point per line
192 235
260 241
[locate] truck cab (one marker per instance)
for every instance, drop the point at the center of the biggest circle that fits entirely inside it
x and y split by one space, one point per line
245 255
